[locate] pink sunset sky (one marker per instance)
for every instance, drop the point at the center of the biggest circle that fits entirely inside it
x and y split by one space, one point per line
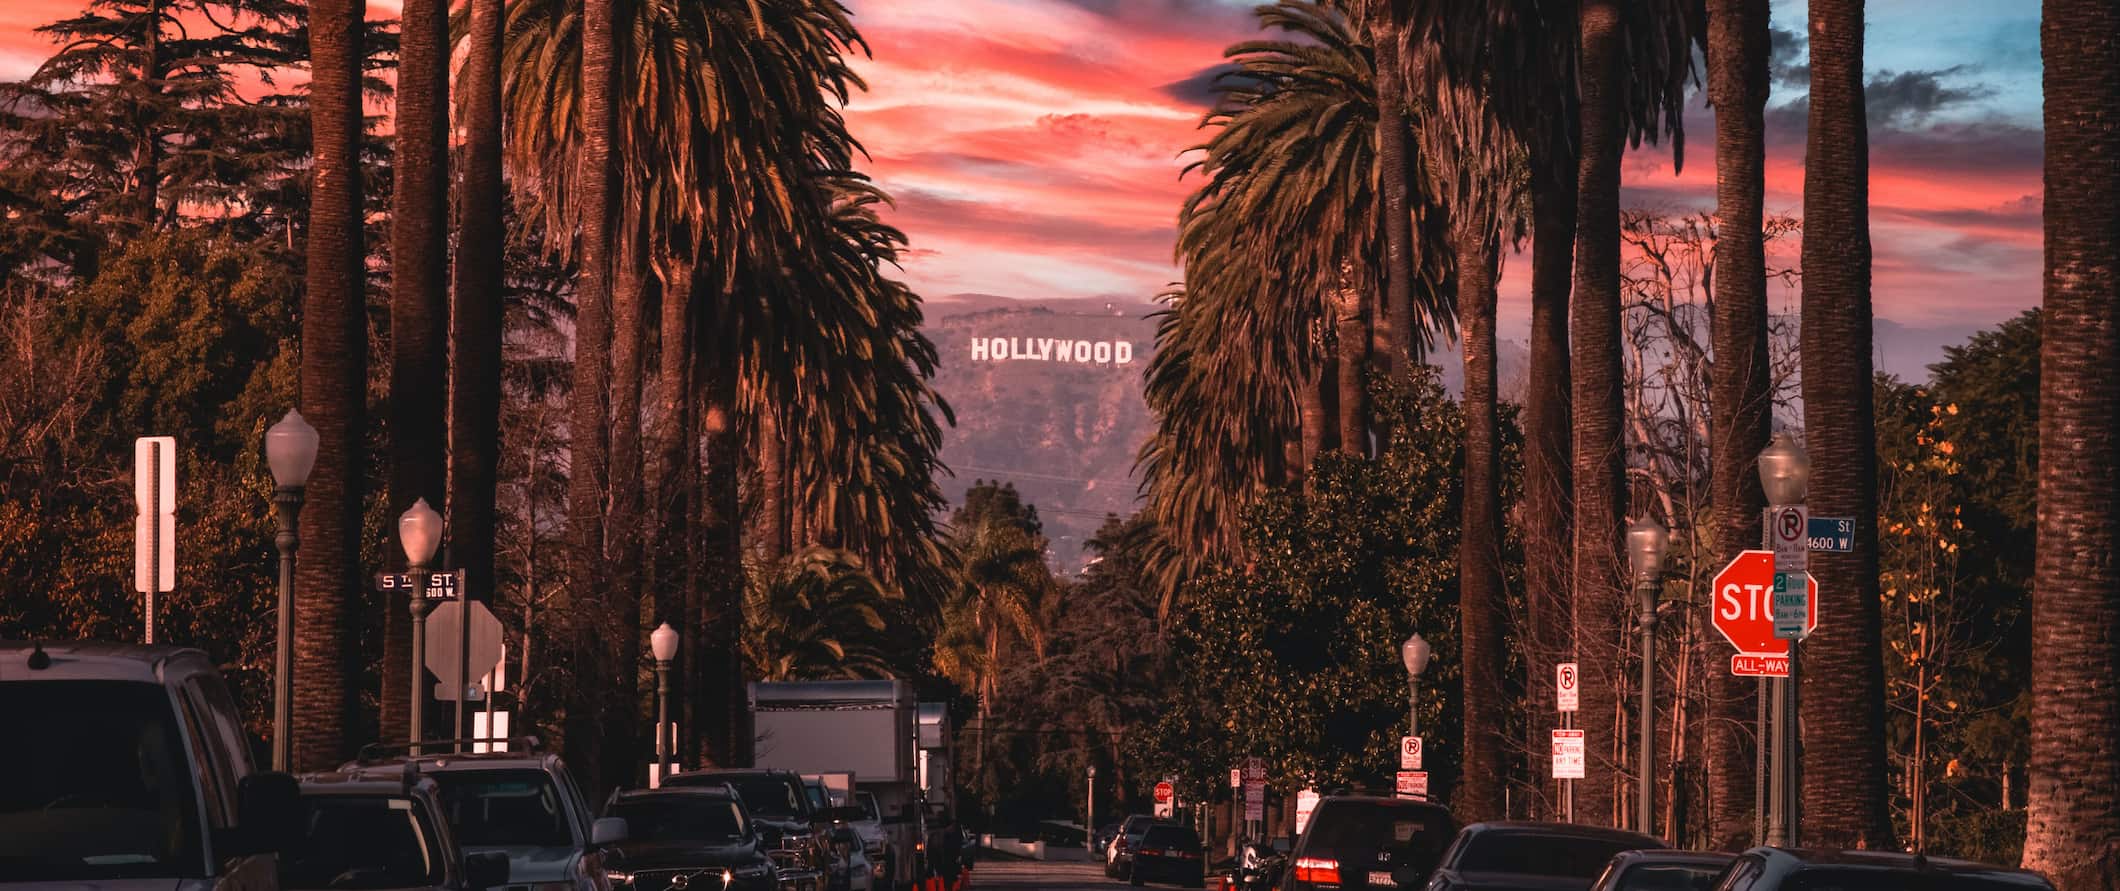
1034 146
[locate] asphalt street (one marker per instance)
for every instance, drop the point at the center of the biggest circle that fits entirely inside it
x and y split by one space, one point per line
1034 875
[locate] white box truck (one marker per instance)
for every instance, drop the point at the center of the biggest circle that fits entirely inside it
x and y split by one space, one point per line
864 731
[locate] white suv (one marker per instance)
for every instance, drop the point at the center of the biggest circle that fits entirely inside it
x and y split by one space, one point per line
126 767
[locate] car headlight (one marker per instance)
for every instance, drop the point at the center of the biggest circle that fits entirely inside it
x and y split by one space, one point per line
617 877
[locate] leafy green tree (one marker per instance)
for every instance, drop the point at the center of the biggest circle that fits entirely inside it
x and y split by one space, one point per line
818 615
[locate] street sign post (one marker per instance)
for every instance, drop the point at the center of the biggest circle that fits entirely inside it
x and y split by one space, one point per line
1567 685
1236 778
1789 532
155 528
1306 804
1255 788
1166 800
1568 754
1743 614
1409 753
1412 784
1831 534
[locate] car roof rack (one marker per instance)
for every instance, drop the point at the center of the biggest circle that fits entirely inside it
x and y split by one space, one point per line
378 751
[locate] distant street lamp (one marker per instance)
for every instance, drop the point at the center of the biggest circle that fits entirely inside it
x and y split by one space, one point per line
1415 652
1785 475
662 642
1646 543
1089 822
291 452
420 533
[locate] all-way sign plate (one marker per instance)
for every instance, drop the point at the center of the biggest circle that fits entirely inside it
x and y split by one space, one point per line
1759 665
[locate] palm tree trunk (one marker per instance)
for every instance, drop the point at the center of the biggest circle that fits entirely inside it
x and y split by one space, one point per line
1600 481
334 379
724 728
2072 814
676 473
1353 350
1547 474
1846 799
624 518
478 316
419 316
1392 325
1311 417
588 693
1740 389
1482 793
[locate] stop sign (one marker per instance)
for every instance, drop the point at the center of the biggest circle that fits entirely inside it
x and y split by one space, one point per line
1163 792
1743 605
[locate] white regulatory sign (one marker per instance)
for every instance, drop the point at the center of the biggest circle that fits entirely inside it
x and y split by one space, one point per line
1412 784
1788 528
1409 753
1568 754
1568 685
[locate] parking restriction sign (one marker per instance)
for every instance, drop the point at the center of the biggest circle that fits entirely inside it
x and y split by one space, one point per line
1568 754
1409 753
1567 683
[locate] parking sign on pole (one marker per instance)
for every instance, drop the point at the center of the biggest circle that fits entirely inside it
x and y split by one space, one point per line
1568 754
1567 685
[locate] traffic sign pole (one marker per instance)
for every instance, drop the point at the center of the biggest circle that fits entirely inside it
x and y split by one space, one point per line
463 660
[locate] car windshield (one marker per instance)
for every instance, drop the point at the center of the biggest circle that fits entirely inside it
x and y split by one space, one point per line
1371 826
766 796
817 802
362 841
496 808
681 818
1179 837
1540 854
1892 880
95 784
1669 877
869 810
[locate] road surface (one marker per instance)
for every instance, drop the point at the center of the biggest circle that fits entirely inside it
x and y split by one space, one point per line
1035 875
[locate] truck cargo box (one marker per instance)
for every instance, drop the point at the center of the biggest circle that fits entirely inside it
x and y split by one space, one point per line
862 727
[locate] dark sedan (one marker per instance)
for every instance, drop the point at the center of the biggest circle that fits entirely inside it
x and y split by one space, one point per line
1364 842
1778 869
1512 856
1169 853
1663 871
693 838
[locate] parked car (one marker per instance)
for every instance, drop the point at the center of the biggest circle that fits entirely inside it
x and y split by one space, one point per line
523 804
1355 841
381 828
1777 869
129 764
1663 871
1168 853
1101 840
1259 866
790 824
875 840
852 869
1120 857
1515 856
686 837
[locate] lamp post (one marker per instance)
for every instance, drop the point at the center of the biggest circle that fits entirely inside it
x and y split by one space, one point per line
291 452
420 533
1785 475
1646 543
662 642
1415 652
1089 821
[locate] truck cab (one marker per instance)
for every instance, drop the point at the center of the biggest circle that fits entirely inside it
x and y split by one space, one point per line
127 767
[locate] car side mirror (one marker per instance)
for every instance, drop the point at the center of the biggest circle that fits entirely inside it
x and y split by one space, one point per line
268 814
607 831
485 870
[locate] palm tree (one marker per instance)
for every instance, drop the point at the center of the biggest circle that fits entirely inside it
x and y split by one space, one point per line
1001 590
1293 150
334 379
1845 791
1392 318
1740 389
419 311
590 705
2071 815
477 317
818 615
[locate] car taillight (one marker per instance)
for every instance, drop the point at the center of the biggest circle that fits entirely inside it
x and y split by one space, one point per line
1318 870
1151 852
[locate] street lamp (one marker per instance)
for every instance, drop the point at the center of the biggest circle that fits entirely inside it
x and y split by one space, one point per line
1089 822
1415 652
291 452
662 642
1646 542
1785 475
420 533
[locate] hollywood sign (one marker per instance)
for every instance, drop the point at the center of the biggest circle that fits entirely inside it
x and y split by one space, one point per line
1051 349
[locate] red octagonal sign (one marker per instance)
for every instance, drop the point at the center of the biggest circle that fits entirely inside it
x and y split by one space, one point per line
1744 608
